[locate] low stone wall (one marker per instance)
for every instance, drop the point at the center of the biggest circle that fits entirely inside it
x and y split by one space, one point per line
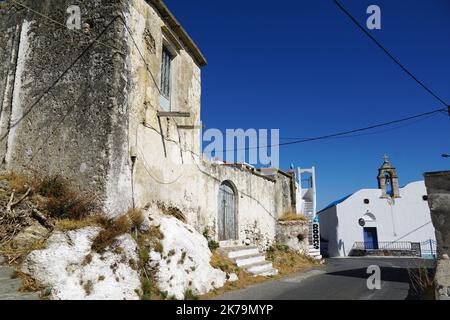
438 189
384 252
293 234
442 280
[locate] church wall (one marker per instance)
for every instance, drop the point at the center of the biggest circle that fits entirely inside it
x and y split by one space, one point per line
408 219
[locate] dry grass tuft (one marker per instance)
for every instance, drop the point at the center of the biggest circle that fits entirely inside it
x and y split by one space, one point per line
422 283
70 224
171 211
292 216
17 182
28 283
16 255
111 231
136 216
88 286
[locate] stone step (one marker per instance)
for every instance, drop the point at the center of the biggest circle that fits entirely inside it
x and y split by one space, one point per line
249 259
268 273
10 286
236 252
314 251
259 267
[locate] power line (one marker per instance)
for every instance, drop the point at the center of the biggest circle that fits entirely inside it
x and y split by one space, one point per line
328 136
141 55
63 25
371 133
389 54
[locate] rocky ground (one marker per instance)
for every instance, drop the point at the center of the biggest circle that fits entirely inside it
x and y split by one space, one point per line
58 245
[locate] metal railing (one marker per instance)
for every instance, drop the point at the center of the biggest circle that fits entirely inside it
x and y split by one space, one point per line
425 249
382 245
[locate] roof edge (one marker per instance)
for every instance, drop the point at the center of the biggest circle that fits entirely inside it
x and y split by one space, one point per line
168 16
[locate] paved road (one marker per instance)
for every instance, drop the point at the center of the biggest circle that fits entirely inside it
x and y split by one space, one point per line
339 278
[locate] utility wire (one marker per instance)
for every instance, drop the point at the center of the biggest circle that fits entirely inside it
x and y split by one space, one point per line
328 136
389 54
63 25
55 82
371 133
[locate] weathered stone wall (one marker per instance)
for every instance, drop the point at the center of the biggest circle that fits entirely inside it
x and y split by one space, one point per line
438 188
63 108
293 234
98 125
169 167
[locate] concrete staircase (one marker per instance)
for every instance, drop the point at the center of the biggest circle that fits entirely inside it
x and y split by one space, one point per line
9 287
250 259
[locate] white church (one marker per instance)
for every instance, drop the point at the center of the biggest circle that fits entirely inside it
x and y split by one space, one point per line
388 220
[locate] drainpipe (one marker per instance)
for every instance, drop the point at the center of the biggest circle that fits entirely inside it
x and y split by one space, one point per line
293 195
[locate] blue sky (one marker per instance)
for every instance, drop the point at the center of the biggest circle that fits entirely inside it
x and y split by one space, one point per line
303 67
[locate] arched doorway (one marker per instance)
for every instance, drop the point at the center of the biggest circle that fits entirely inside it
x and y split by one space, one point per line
227 213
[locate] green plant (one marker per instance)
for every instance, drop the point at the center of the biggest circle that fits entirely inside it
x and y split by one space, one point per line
213 245
189 295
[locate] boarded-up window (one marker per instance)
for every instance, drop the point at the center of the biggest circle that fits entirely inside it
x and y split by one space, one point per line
165 72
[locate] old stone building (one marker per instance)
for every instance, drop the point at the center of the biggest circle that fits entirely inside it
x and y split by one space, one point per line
115 108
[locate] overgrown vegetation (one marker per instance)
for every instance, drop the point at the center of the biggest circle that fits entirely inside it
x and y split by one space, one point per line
63 201
147 241
283 258
212 244
289 261
111 230
422 285
292 216
171 211
28 283
226 265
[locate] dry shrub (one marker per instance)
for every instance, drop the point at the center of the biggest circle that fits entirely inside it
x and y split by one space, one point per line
171 211
17 182
28 283
292 216
422 283
16 255
136 216
111 231
63 201
223 263
289 261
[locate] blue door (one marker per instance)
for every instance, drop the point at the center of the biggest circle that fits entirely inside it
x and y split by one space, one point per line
370 238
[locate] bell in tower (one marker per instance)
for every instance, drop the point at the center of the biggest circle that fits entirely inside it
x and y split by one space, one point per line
388 180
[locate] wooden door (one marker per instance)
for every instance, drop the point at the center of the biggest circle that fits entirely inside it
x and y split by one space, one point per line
227 213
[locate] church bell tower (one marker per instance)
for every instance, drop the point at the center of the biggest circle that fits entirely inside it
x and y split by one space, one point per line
388 180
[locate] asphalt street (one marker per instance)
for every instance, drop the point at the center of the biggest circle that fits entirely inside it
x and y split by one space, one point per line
338 279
